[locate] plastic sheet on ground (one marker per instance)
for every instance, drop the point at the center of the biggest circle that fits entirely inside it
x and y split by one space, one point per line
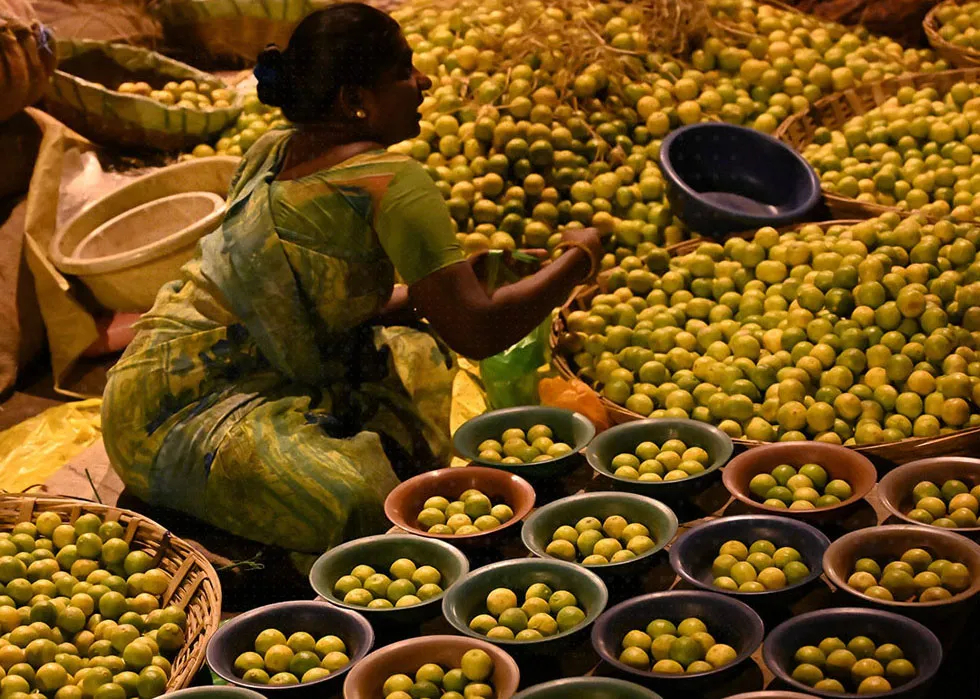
39 446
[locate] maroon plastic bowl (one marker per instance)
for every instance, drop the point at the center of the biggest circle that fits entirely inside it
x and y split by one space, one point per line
403 504
895 489
839 462
891 542
728 620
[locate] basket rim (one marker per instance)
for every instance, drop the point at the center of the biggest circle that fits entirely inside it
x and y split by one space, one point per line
930 24
564 368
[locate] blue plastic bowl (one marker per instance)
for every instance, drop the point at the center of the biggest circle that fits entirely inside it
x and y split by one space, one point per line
723 178
318 618
728 620
919 644
691 556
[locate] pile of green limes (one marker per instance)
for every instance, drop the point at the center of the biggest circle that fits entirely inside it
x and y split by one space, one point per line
684 648
517 447
757 568
671 461
958 24
858 334
518 161
472 680
917 151
544 612
277 660
595 543
409 584
857 666
806 489
952 506
471 513
915 577
81 612
256 118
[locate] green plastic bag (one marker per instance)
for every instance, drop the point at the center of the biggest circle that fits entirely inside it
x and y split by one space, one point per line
511 377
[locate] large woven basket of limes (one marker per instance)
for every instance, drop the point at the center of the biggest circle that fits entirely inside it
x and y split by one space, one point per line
230 32
823 331
905 143
951 31
113 602
129 96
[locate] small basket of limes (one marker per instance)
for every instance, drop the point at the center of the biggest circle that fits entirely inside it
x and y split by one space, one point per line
123 95
141 603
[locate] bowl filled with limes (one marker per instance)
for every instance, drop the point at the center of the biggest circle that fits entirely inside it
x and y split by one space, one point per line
290 648
679 640
757 558
469 506
434 666
529 607
534 441
609 533
853 652
942 491
663 458
917 571
389 578
807 480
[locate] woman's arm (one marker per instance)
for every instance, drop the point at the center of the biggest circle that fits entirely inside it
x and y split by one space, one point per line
479 325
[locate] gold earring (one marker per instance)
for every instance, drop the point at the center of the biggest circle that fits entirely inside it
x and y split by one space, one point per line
360 114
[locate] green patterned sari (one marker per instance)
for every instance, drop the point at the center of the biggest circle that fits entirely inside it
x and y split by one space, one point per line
258 395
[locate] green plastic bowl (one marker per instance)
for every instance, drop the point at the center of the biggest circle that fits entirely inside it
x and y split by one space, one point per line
380 552
568 426
625 438
467 598
653 514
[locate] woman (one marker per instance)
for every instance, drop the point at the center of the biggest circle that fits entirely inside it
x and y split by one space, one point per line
277 386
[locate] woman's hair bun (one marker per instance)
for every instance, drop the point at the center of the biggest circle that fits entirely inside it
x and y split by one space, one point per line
273 81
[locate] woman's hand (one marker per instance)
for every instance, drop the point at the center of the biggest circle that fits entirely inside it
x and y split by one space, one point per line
587 240
518 265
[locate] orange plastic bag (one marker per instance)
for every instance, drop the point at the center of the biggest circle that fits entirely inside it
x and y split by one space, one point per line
574 395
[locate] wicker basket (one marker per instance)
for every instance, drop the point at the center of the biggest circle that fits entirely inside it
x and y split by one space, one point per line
194 586
110 117
835 110
956 55
965 442
230 32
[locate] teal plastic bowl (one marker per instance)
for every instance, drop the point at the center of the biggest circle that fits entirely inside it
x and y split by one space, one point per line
570 427
653 514
625 438
467 598
380 552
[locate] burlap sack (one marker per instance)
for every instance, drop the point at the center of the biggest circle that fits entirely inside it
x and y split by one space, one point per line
27 57
122 21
